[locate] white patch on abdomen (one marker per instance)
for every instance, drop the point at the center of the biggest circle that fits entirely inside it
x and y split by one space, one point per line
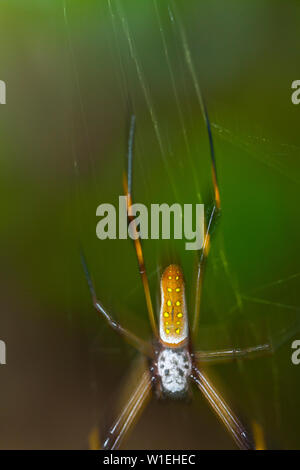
174 367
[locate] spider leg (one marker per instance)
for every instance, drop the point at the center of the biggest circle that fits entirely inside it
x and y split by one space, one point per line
134 340
209 226
137 242
130 413
259 438
220 407
94 439
251 352
222 355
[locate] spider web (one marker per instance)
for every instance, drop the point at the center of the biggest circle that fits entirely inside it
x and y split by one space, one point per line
150 61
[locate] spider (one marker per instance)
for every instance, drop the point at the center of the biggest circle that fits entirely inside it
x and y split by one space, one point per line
173 363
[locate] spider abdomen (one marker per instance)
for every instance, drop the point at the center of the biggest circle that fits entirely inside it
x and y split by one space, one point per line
173 324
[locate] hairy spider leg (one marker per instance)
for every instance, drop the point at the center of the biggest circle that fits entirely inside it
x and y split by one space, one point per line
131 338
223 411
208 229
127 181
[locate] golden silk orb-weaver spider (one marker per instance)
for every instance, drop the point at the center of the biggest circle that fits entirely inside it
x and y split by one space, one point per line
173 363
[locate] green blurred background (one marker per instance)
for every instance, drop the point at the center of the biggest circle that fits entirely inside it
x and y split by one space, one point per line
71 67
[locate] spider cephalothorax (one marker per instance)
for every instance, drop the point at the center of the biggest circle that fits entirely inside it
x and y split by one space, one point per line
173 369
